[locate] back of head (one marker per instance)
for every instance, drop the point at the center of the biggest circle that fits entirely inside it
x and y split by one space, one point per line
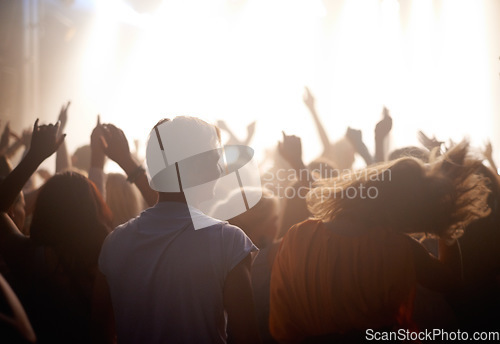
81 158
410 152
175 153
342 153
407 195
71 217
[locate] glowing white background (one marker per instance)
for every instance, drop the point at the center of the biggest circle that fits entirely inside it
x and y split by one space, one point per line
218 60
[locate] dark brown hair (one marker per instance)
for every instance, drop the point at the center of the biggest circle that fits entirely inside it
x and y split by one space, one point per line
71 217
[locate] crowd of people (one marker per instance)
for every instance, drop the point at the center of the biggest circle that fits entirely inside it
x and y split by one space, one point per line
409 242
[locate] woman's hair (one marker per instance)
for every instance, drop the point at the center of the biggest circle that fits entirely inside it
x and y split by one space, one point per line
404 194
410 151
122 197
71 217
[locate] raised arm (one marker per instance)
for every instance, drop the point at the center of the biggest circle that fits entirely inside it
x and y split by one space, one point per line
250 133
23 140
382 129
309 101
116 148
44 143
97 157
295 207
429 143
63 161
356 139
488 154
291 150
233 139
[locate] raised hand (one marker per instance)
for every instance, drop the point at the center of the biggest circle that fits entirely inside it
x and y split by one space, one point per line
355 137
63 115
250 132
97 144
427 142
308 99
45 141
222 125
488 151
383 128
488 154
291 150
115 145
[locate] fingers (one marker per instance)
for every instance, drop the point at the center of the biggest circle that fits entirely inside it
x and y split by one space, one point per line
67 106
106 132
98 119
35 126
58 127
103 143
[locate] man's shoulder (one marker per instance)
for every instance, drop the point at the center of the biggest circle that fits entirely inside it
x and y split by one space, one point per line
122 230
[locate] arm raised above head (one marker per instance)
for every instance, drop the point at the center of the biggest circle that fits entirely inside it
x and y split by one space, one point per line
309 101
44 142
115 145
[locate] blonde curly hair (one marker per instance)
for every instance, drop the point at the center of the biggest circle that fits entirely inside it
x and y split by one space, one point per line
440 198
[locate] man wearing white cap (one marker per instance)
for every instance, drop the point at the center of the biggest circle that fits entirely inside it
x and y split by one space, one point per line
176 275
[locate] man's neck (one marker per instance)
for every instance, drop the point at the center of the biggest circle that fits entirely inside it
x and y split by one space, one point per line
172 197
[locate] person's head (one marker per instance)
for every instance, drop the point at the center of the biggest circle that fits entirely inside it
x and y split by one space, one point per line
81 158
406 195
122 197
183 153
71 217
260 222
343 154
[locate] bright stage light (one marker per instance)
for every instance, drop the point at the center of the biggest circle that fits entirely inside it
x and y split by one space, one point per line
215 61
